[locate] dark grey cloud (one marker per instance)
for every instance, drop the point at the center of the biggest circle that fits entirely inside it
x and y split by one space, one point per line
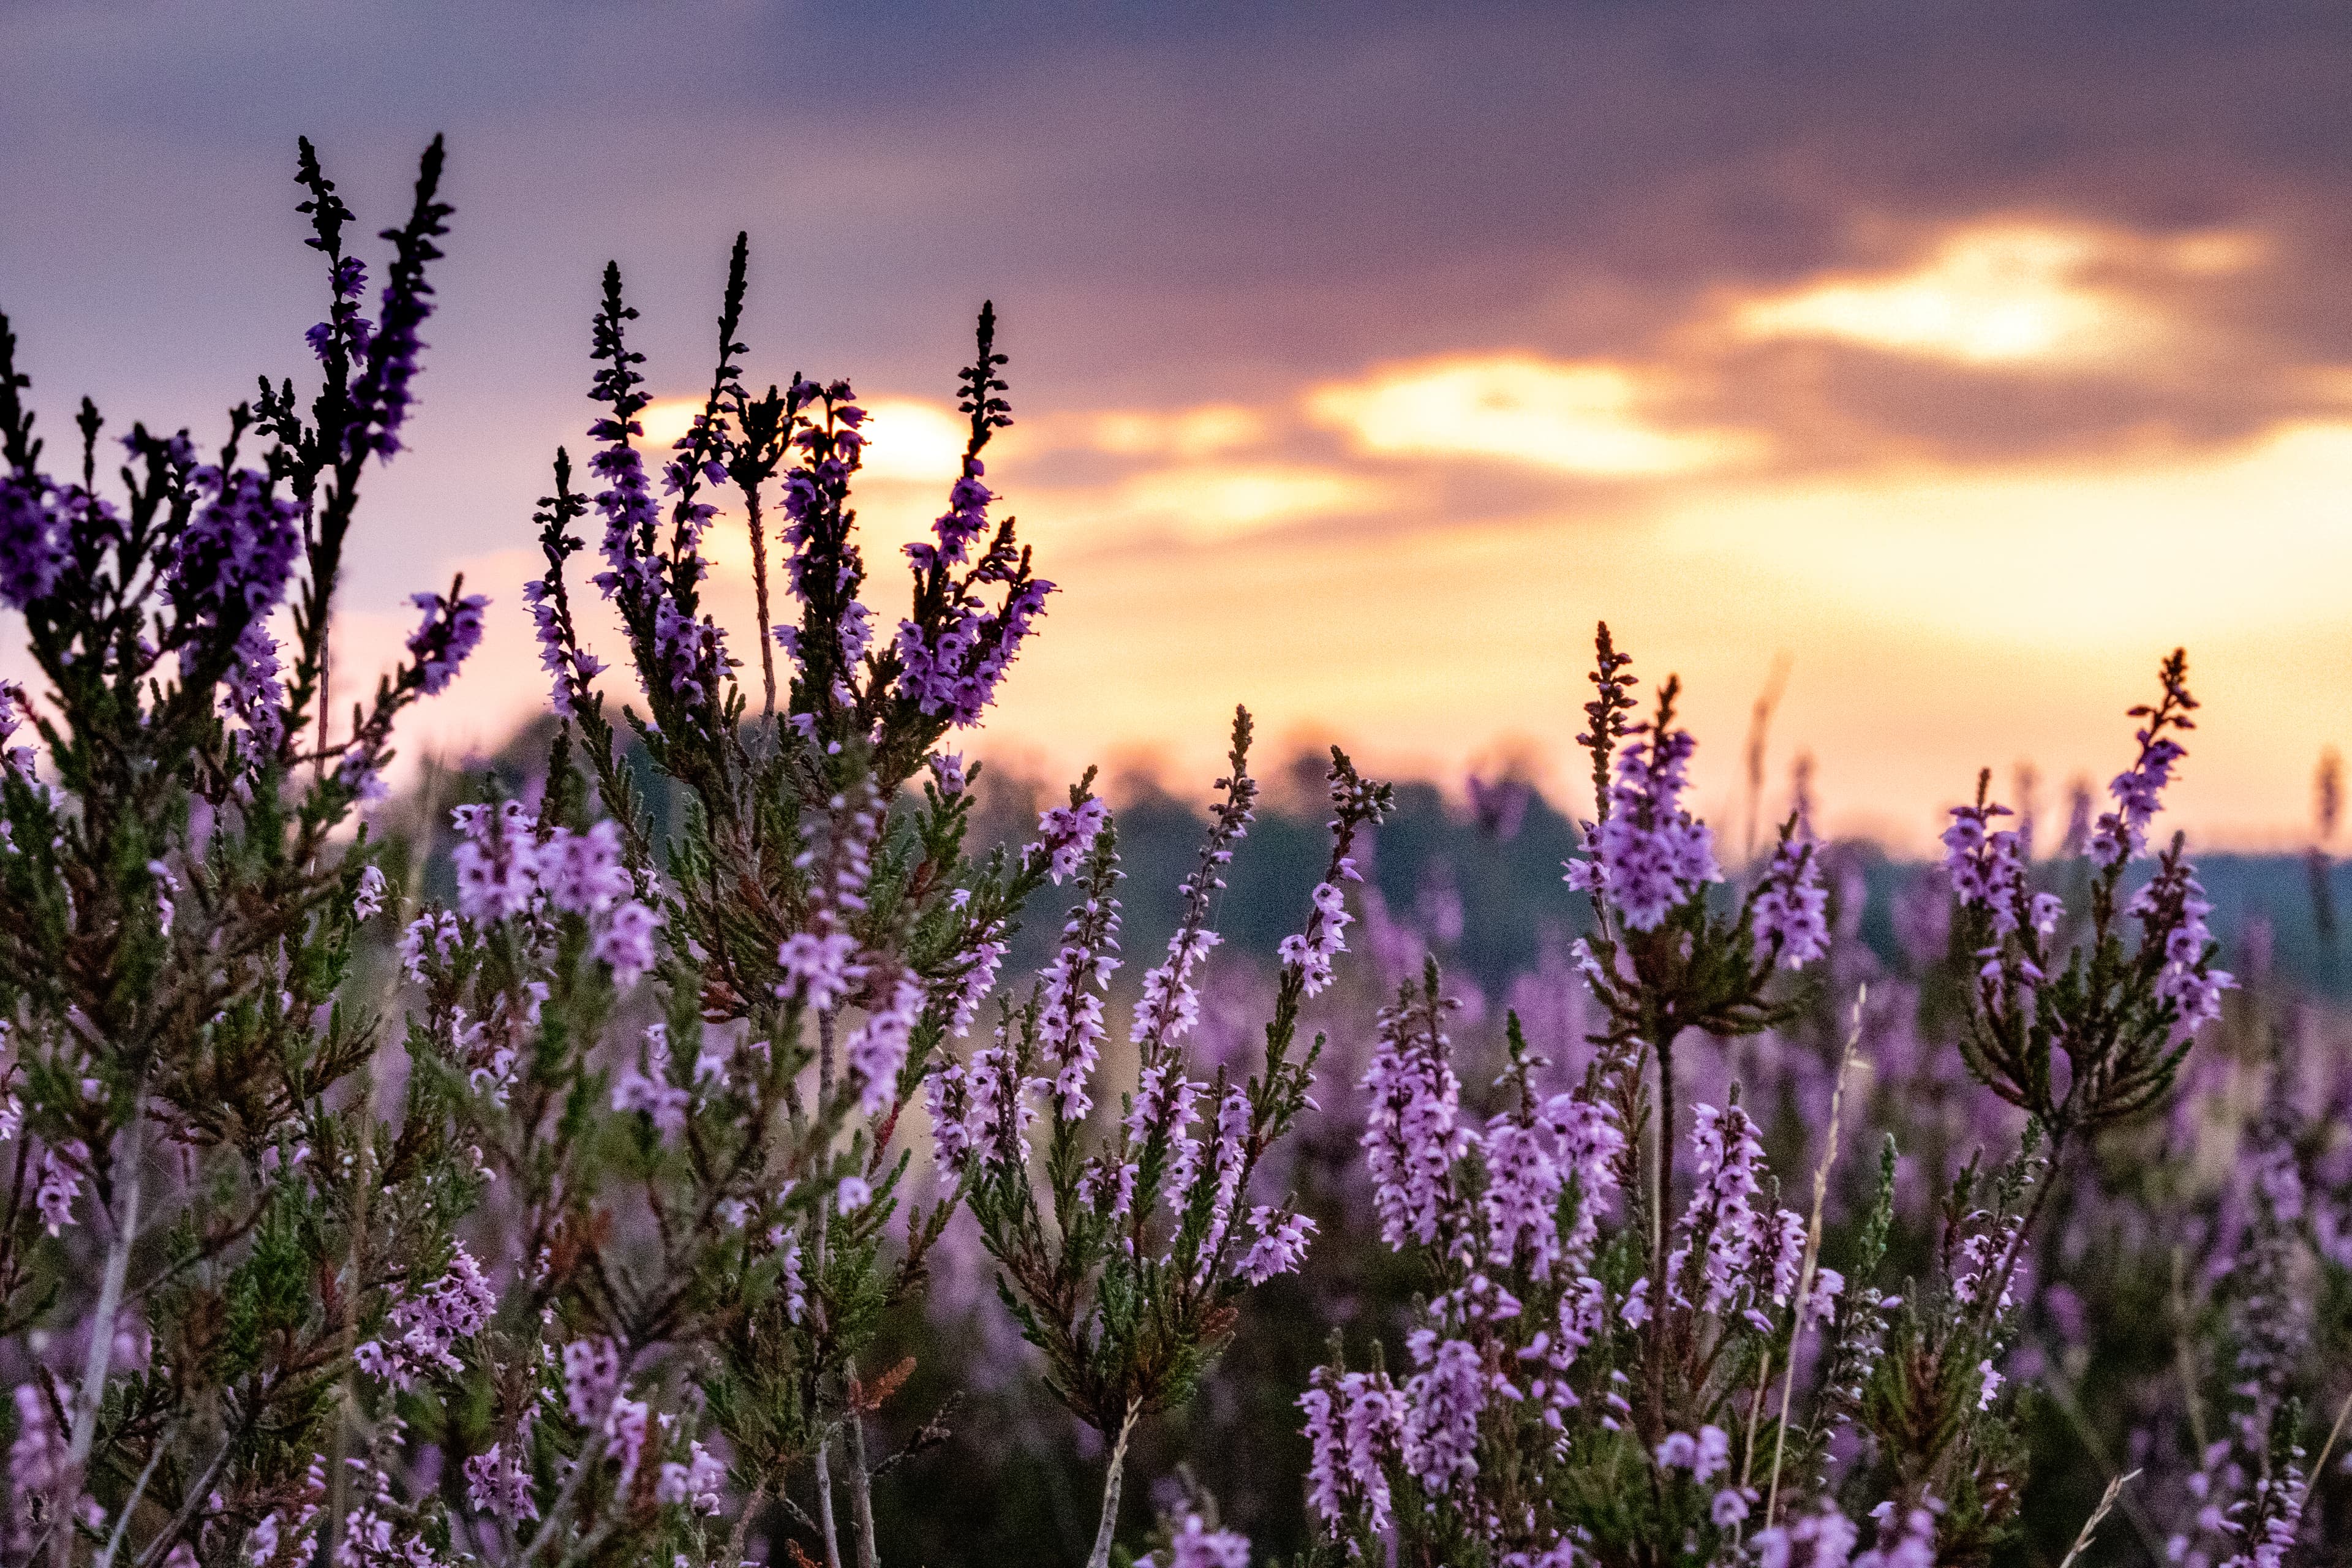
1171 204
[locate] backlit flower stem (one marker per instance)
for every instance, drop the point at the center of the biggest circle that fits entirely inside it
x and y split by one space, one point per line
1663 1044
101 1338
1101 1556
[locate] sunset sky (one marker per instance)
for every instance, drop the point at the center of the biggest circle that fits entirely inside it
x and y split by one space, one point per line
1361 358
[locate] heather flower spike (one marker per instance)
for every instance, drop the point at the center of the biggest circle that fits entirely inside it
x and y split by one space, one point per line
1152 1220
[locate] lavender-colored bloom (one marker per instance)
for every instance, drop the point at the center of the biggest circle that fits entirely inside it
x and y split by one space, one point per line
818 969
1723 1218
495 859
997 1115
498 1481
1830 1533
1792 908
39 1454
1354 1424
1521 1202
451 630
2172 909
573 668
877 1049
1281 1244
427 1325
233 561
1984 864
1650 853
31 550
694 1484
1066 833
1196 1545
367 899
591 1377
627 941
254 694
582 873
1171 1004
59 1183
690 651
1443 1402
1070 1011
1225 1169
642 1086
1414 1135
1311 951
431 939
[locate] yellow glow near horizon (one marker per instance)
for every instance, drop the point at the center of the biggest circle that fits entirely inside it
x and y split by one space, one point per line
1995 294
2075 557
1575 418
906 438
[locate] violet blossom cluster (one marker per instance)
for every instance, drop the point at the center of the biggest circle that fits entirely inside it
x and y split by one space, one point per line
508 869
1649 854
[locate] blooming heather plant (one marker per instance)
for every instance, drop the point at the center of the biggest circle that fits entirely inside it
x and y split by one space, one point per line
1125 1270
1604 1369
209 1213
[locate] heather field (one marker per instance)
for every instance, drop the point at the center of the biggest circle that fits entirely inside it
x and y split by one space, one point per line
822 1078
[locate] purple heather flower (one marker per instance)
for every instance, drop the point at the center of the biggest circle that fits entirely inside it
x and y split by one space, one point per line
697 1483
381 395
1225 1169
1163 1108
642 1086
1792 908
451 630
499 1481
1649 854
1066 834
2138 793
38 1456
573 668
582 873
1171 1004
997 1114
368 898
1280 1247
2172 909
627 941
591 1377
1070 1013
427 1325
236 557
818 969
1414 1135
496 860
31 550
1354 1423
1984 864
1723 1217
59 1183
1311 951
877 1049
254 694
792 1284
430 938
1443 1402
690 651
1196 1545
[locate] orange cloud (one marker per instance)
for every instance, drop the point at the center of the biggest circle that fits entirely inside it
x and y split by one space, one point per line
1575 418
2002 293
